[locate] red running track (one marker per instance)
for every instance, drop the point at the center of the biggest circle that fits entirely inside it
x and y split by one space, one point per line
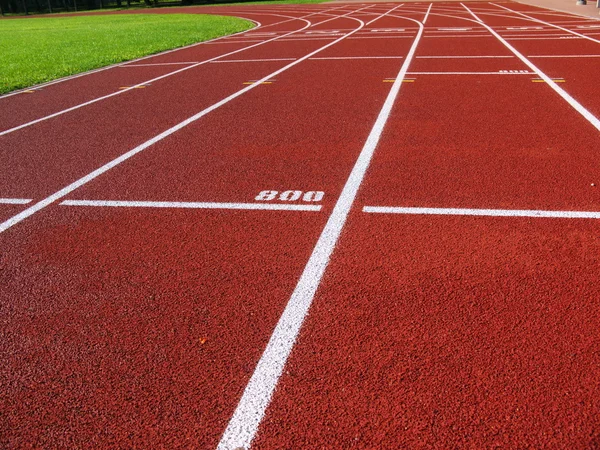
390 242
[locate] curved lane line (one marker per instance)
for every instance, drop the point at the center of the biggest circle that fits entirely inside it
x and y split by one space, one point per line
175 72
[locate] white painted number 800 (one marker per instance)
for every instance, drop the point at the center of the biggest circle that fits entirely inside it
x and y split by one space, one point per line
290 196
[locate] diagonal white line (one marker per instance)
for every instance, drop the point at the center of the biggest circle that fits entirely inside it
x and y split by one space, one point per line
124 157
249 413
175 72
560 91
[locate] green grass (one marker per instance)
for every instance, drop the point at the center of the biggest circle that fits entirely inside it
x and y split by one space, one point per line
36 50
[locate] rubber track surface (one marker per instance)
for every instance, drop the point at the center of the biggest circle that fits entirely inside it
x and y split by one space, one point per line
140 325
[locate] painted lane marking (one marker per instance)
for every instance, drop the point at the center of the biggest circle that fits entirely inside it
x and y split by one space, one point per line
462 57
457 36
548 23
387 30
393 80
555 80
258 82
290 196
118 92
137 86
482 212
563 56
15 201
192 205
184 63
249 413
588 26
125 156
593 120
333 58
524 28
252 60
500 72
454 29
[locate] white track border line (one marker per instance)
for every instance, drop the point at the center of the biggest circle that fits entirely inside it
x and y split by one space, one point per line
15 201
482 212
249 413
124 157
169 74
259 26
191 205
560 91
533 19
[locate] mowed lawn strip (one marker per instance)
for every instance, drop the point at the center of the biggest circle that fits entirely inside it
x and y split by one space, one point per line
36 50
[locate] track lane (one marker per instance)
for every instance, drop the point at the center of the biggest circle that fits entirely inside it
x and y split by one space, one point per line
62 161
154 300
457 331
117 89
139 328
488 338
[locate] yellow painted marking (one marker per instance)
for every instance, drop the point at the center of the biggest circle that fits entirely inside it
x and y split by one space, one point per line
132 87
29 91
254 82
556 80
406 80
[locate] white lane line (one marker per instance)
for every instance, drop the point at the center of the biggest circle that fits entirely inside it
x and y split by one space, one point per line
560 91
191 205
160 64
121 91
463 57
249 413
483 212
548 23
326 58
252 60
563 56
124 157
15 201
501 72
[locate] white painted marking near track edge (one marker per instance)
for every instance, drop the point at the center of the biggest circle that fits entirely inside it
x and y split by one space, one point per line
124 157
482 212
15 201
249 413
593 120
251 60
159 64
192 205
463 57
290 196
122 91
90 72
333 58
563 56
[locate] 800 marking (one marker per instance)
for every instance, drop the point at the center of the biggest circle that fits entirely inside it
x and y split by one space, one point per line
290 196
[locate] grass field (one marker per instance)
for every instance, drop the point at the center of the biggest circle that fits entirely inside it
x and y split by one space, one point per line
36 50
